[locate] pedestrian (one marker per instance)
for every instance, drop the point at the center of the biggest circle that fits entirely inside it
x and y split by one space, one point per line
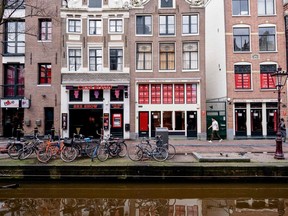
215 129
283 129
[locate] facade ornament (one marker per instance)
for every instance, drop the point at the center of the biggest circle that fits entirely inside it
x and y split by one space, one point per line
197 3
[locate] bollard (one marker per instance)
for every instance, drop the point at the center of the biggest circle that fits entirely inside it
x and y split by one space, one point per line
18 133
52 132
35 131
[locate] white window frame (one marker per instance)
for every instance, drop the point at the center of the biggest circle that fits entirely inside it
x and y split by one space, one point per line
144 15
115 32
88 26
265 14
268 26
81 60
175 23
118 48
182 24
93 48
72 32
248 14
198 56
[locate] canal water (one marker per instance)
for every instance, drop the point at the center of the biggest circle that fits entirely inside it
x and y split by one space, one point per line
144 199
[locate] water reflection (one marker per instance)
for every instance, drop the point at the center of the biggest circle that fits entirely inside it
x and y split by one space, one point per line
144 200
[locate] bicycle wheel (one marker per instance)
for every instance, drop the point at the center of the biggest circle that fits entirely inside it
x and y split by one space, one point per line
171 151
123 149
160 154
44 155
13 150
25 152
102 153
135 153
69 153
90 147
113 149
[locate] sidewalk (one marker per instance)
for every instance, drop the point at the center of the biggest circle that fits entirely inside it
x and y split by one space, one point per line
194 159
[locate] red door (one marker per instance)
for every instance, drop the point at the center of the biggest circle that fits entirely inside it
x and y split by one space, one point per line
143 124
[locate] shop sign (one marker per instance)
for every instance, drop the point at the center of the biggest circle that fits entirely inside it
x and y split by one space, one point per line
116 106
94 87
85 106
25 103
9 103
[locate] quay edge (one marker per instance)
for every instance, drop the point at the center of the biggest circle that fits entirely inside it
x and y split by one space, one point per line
195 171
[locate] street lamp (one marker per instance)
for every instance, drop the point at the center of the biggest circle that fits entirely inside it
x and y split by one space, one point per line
280 81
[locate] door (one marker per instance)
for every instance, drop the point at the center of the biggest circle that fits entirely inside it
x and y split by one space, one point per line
271 122
155 121
117 122
191 124
143 124
256 122
240 122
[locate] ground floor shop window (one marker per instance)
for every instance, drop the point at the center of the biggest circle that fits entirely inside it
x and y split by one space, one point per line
167 119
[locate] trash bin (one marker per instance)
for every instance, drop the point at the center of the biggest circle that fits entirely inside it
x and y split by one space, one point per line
163 131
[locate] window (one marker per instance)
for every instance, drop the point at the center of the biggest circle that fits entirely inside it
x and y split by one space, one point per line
95 4
240 7
95 59
45 30
14 37
190 56
95 27
14 80
267 81
74 59
144 25
156 94
167 25
167 93
190 24
267 39
116 94
115 25
242 76
18 4
166 3
144 57
96 95
266 7
241 38
191 93
179 94
74 26
44 74
75 95
116 59
143 91
167 56
167 119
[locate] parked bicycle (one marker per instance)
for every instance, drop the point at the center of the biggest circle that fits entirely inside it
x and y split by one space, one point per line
30 147
145 150
14 146
110 146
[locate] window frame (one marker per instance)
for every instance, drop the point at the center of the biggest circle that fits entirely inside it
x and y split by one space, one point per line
89 6
167 93
166 7
46 76
100 28
269 35
266 13
74 57
241 38
145 54
75 31
244 76
143 24
143 93
116 26
240 10
15 39
14 84
166 24
96 58
166 57
117 57
265 76
190 24
190 56
46 29
74 99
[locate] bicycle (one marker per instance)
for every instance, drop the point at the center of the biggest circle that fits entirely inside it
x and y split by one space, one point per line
14 146
145 150
171 148
64 148
110 146
30 147
89 144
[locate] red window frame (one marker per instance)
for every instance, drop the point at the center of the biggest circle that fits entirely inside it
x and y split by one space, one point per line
143 94
191 93
167 93
156 94
179 94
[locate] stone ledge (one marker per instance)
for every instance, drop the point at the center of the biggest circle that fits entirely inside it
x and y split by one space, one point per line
221 157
